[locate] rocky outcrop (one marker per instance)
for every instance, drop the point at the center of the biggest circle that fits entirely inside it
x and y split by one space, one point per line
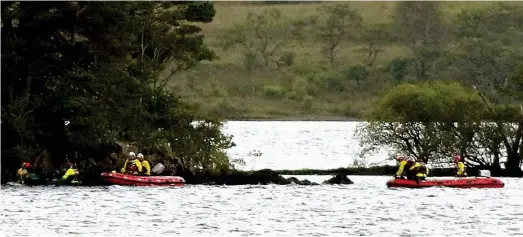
92 176
265 176
294 180
339 179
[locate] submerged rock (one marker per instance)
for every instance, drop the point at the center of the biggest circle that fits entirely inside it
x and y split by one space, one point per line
294 180
339 179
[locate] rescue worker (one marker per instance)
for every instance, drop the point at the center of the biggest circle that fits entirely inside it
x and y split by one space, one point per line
420 170
144 164
404 166
23 172
131 165
460 167
70 174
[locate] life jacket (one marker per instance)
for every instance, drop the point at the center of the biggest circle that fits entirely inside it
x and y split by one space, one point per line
421 168
463 172
407 167
22 172
70 176
131 166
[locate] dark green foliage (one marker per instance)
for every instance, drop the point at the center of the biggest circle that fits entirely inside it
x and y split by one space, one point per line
199 12
263 35
398 69
336 24
489 46
419 26
356 73
79 75
433 121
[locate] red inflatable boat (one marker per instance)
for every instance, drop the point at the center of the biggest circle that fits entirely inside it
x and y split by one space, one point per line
474 182
132 180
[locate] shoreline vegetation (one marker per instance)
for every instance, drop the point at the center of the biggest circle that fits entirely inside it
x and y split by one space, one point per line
316 59
79 79
268 176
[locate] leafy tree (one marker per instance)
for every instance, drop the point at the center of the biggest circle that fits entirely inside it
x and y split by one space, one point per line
418 25
406 117
356 73
163 37
337 23
376 37
437 120
398 69
489 46
77 76
265 34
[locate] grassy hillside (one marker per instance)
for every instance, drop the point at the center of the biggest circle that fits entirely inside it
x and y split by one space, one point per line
225 87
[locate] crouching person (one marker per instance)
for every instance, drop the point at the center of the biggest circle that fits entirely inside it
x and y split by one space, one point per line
146 168
420 170
132 165
71 174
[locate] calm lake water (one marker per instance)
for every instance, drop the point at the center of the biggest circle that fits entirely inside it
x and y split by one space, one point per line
366 208
296 145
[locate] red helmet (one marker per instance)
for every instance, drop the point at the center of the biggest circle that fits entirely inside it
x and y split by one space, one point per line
26 165
400 158
457 158
69 164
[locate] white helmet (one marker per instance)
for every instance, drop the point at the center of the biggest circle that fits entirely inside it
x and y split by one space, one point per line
132 154
140 155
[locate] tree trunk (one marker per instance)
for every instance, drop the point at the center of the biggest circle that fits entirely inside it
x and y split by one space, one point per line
496 168
512 167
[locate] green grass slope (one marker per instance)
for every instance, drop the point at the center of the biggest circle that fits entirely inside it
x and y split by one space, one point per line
225 88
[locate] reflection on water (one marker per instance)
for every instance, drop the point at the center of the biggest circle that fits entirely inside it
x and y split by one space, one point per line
366 208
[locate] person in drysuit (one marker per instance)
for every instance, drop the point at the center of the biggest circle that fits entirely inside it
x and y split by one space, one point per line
145 167
405 164
419 170
23 172
71 174
460 166
132 165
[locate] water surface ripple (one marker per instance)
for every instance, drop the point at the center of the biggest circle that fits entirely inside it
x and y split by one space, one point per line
366 208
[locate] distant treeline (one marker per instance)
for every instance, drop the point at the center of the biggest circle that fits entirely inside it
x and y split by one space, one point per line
376 170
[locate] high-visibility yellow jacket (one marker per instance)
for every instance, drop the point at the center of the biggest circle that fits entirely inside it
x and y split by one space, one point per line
136 162
421 169
147 167
460 169
70 172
